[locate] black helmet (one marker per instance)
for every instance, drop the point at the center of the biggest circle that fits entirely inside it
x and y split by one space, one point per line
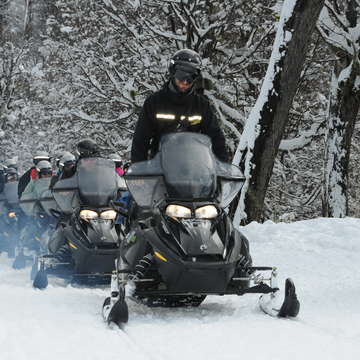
44 168
87 148
185 65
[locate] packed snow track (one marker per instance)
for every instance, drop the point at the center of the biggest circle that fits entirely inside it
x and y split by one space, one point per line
321 256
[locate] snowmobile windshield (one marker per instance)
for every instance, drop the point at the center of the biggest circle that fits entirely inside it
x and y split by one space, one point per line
97 181
30 200
66 194
11 193
184 169
189 166
48 202
41 185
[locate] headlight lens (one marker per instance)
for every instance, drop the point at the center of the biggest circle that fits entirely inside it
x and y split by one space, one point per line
108 215
178 211
206 212
12 214
88 214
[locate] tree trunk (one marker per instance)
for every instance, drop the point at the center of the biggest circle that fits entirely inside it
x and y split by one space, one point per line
265 127
344 101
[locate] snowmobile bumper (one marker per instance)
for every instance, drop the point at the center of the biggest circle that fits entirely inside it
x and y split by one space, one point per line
87 260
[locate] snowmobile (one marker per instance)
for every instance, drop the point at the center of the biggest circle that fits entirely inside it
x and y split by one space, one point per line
11 218
182 245
87 224
34 234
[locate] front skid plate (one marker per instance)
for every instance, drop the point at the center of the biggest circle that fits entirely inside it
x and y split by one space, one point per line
261 288
66 271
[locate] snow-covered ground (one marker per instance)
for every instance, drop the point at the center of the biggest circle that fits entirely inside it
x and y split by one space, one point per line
322 256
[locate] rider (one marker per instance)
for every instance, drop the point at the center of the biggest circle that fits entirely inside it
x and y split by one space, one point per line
11 163
87 148
177 107
116 158
67 164
30 235
43 170
11 175
32 173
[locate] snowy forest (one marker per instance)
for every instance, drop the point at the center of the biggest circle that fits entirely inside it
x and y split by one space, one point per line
282 76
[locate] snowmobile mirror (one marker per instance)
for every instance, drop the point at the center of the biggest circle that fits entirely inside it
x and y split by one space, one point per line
120 207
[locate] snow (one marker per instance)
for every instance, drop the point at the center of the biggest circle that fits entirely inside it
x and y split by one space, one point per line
321 255
66 29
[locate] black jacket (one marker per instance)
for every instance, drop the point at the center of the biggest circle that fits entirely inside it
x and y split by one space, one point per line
24 180
165 112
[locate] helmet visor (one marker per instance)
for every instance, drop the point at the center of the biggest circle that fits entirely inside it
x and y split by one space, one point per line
69 164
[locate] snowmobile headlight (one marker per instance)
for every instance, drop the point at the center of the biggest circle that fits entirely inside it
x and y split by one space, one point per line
206 212
108 215
88 214
178 211
12 214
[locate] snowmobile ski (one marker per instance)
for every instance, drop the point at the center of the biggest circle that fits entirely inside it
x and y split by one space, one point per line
269 303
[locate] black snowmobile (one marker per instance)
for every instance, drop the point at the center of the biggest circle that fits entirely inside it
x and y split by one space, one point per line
182 245
87 223
11 218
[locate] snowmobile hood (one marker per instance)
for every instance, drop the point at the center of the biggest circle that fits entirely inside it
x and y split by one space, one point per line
196 238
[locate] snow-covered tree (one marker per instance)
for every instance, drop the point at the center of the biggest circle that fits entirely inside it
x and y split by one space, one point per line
115 68
340 27
294 190
265 125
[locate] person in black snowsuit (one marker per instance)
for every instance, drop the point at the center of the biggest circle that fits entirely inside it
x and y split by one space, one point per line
67 168
177 107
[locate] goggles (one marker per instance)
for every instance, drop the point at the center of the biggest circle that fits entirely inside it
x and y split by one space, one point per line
185 76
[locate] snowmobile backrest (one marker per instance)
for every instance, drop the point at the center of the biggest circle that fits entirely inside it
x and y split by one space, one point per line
66 194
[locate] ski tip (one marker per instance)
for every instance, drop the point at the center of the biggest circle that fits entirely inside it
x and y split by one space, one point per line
291 304
41 280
